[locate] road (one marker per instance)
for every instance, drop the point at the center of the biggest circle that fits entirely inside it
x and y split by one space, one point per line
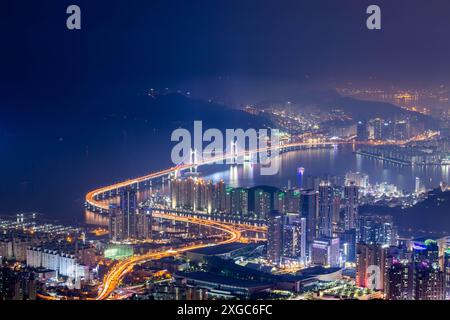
91 197
118 272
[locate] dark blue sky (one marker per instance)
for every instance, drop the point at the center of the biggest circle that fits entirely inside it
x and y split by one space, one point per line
171 42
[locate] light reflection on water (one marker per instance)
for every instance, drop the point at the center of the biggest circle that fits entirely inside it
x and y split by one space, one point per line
317 162
334 161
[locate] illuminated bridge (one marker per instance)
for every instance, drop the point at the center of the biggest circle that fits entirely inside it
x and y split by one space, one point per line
95 199
232 230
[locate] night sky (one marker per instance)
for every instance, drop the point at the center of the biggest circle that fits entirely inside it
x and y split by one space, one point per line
51 77
162 43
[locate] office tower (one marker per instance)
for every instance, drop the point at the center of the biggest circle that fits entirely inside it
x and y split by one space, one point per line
378 129
351 198
262 203
292 201
325 252
347 240
203 195
370 266
309 207
294 237
143 224
325 217
361 131
116 223
336 208
175 193
377 229
428 283
428 278
447 273
195 194
401 130
399 280
279 201
129 208
219 196
237 201
17 284
125 220
274 237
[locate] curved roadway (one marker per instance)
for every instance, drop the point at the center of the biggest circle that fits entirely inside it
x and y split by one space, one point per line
116 274
91 197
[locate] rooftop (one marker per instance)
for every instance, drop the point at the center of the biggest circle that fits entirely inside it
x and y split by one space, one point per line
220 249
222 280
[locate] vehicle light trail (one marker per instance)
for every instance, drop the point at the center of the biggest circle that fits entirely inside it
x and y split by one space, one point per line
91 197
118 272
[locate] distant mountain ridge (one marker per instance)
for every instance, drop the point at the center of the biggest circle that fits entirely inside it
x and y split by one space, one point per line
432 214
357 109
55 158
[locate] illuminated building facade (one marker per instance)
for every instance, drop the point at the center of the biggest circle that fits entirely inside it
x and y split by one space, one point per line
428 278
377 229
370 257
351 197
274 237
309 207
294 237
399 280
325 252
325 218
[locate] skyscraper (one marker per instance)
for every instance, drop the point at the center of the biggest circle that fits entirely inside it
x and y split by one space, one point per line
116 223
294 237
377 229
219 197
351 197
428 278
292 201
447 273
326 196
126 221
237 201
370 266
17 284
309 208
361 131
274 237
347 241
378 129
401 130
399 280
129 208
262 203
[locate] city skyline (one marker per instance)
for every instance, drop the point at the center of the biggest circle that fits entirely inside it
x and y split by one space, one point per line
223 150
